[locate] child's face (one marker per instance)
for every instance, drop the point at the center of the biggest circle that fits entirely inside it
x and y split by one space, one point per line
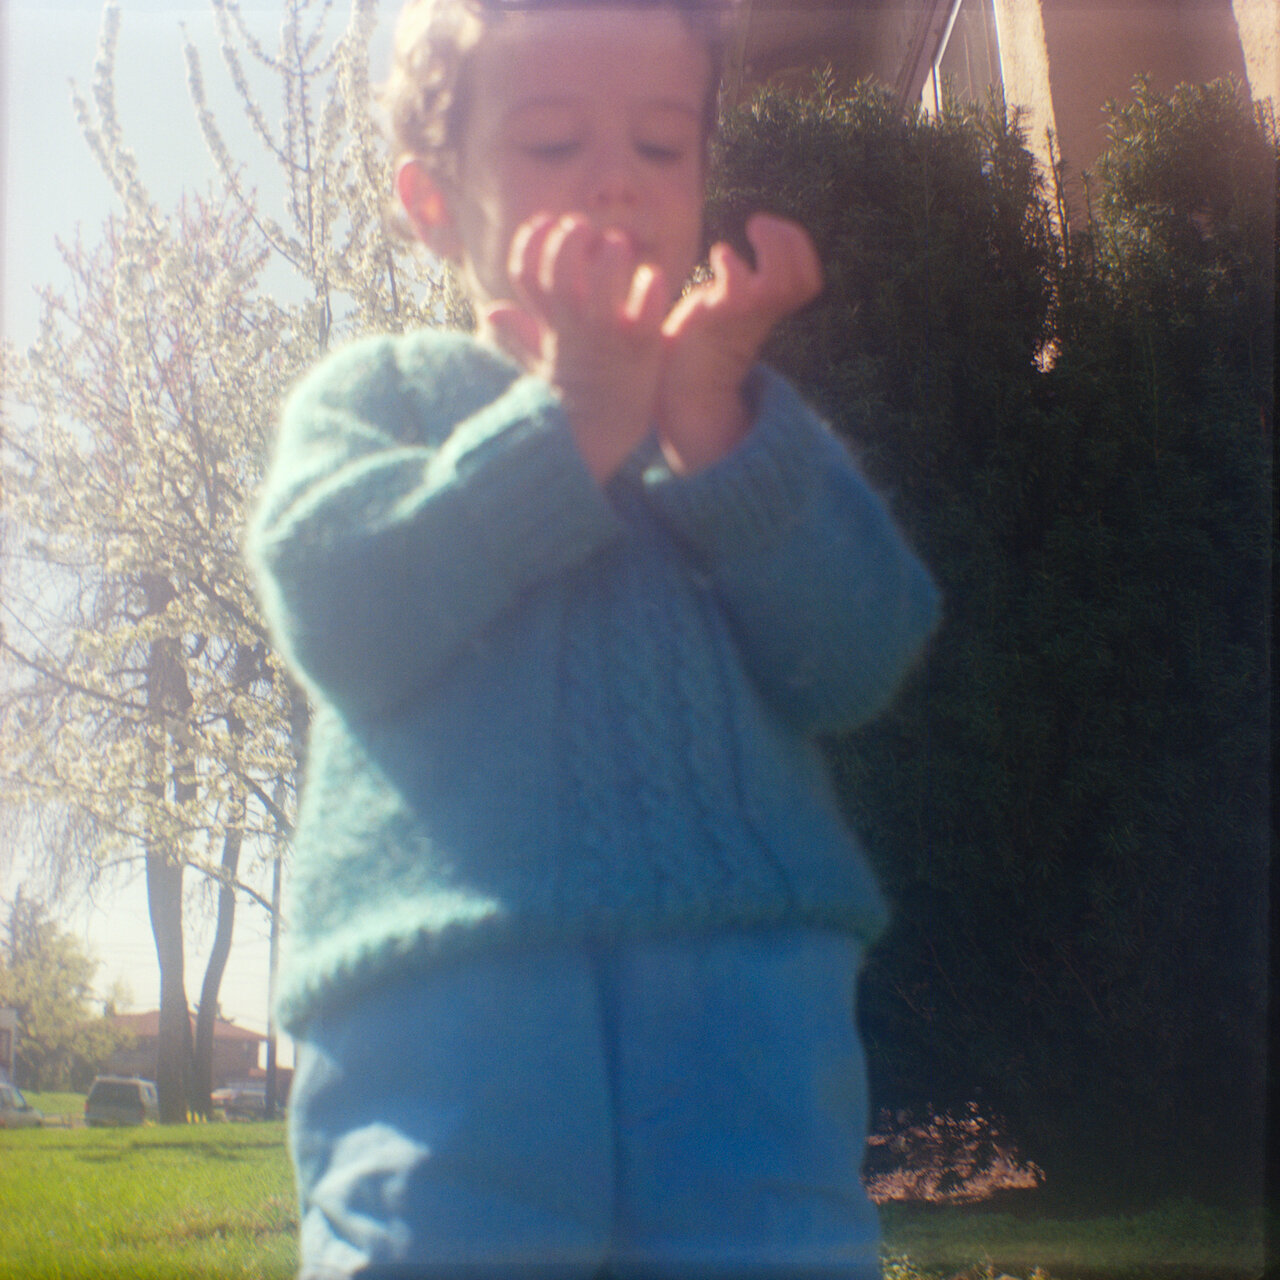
597 112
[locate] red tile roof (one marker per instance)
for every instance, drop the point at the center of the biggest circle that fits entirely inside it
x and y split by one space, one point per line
148 1024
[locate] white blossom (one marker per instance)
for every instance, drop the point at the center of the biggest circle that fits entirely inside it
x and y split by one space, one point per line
139 697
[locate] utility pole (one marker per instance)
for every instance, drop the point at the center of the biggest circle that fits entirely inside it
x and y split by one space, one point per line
272 1036
273 1093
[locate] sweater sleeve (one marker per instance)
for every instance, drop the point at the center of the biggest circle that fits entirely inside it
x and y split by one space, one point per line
829 606
420 487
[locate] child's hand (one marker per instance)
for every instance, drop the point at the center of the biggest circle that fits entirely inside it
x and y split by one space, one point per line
588 318
715 333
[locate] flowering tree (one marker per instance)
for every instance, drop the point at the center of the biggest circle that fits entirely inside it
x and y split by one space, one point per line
142 699
149 706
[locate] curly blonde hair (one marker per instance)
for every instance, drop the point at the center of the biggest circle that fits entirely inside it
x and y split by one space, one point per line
426 95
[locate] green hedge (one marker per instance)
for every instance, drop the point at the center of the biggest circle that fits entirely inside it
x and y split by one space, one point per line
1068 803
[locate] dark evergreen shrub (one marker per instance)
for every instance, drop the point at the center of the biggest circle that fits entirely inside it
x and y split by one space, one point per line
1067 804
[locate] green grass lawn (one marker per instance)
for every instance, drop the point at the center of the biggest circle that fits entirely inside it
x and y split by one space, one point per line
56 1104
159 1203
216 1200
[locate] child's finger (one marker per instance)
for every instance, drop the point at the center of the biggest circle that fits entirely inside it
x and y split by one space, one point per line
788 269
681 314
525 256
562 273
612 273
731 274
727 289
787 264
646 302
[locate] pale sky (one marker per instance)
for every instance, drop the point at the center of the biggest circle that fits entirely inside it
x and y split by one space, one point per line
51 186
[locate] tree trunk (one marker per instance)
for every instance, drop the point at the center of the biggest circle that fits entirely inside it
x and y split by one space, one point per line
207 1015
173 1053
168 702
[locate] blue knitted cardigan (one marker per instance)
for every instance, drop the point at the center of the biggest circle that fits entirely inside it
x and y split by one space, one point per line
546 710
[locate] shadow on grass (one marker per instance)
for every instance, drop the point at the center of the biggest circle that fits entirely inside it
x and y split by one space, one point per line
226 1153
1070 1271
1175 1241
1169 1271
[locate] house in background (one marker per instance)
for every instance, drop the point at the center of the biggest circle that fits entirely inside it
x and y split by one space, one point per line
235 1049
1057 60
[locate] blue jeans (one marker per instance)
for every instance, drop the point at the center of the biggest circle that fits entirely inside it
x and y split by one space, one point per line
684 1108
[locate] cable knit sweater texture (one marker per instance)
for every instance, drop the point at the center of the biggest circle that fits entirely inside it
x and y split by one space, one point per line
544 710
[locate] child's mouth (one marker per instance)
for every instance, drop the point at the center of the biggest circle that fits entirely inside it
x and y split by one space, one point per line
639 249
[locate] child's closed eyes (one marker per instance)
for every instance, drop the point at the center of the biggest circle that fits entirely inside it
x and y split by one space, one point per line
551 135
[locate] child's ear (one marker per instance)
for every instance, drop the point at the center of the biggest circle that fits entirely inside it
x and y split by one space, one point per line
427 209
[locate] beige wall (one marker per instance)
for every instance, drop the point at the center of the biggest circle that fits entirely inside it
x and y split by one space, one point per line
783 41
1259 25
1096 50
1061 59
1024 64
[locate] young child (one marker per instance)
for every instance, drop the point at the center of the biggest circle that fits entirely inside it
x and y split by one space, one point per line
576 921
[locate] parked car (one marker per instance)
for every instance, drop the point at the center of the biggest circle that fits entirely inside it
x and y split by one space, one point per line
117 1100
15 1111
241 1100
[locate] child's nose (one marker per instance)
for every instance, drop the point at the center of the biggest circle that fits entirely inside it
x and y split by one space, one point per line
613 181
